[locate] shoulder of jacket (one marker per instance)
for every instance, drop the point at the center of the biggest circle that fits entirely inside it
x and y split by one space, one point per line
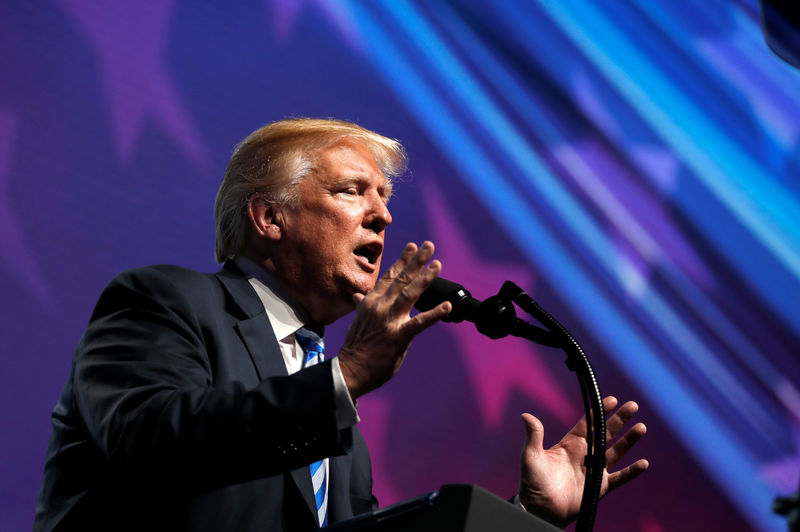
164 272
168 281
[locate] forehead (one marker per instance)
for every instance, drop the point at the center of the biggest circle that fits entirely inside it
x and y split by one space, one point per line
348 158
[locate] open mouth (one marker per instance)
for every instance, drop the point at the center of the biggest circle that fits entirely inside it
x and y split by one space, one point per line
370 252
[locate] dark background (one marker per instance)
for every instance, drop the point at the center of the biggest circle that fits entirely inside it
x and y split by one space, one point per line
632 165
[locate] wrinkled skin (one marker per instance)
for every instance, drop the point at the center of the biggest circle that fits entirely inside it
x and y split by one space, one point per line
551 484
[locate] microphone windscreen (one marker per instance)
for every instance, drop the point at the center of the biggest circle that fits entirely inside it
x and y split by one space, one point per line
439 291
464 305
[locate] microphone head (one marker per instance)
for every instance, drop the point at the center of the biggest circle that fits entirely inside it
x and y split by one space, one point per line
441 290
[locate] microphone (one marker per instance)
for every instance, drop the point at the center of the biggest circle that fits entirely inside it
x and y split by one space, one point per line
495 317
465 307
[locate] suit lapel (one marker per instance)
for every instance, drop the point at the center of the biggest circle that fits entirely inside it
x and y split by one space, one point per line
302 477
339 507
259 339
253 326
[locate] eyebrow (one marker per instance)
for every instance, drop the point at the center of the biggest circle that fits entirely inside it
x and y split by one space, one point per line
359 177
388 188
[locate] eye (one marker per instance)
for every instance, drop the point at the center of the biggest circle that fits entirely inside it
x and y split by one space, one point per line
349 191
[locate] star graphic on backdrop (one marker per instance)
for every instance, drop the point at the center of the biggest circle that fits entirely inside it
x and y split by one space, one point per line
782 474
645 234
661 163
285 13
13 250
496 368
130 39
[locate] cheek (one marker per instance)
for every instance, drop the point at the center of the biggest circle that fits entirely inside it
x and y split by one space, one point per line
325 239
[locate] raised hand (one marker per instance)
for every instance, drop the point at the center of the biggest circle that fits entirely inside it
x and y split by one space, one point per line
551 484
378 339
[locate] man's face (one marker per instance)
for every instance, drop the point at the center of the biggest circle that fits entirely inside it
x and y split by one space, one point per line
332 239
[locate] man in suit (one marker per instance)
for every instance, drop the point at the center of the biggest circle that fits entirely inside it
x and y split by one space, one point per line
199 402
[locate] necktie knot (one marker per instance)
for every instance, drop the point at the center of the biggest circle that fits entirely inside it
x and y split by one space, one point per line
312 344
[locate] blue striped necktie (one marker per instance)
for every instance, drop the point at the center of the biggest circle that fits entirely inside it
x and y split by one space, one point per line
314 347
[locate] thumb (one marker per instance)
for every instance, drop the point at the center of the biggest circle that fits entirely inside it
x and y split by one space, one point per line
534 433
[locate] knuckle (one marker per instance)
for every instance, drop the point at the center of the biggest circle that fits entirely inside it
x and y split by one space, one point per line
392 272
407 292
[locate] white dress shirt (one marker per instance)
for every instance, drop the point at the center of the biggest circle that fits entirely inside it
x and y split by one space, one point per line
286 316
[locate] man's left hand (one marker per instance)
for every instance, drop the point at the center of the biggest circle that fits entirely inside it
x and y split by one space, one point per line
551 485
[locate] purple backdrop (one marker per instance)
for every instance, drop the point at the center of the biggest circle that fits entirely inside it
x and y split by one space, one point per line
633 166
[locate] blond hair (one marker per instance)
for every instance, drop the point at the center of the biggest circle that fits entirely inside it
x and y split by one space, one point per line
271 162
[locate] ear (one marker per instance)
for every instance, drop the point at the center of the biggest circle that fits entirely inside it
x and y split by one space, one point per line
264 218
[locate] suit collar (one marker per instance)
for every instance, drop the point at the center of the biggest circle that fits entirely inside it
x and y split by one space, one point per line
240 290
253 326
284 313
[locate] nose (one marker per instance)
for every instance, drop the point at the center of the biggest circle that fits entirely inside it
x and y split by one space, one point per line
378 215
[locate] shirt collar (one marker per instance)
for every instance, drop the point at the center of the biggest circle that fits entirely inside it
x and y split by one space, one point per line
284 313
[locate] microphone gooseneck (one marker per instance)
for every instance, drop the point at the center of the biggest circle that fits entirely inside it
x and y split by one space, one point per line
495 317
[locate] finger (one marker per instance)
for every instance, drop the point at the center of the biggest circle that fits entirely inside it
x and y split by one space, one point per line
579 429
411 269
609 403
410 293
620 417
623 476
394 270
621 447
534 434
423 320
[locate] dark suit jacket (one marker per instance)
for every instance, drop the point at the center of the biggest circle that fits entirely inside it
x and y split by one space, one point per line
179 415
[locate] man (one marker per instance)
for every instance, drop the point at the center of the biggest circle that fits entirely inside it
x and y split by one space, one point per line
200 402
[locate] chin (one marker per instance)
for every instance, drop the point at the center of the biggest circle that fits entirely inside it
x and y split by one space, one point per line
362 283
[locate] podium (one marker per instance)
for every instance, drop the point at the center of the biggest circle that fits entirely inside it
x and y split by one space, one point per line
454 508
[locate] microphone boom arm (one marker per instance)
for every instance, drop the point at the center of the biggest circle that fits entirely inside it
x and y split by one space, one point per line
496 318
